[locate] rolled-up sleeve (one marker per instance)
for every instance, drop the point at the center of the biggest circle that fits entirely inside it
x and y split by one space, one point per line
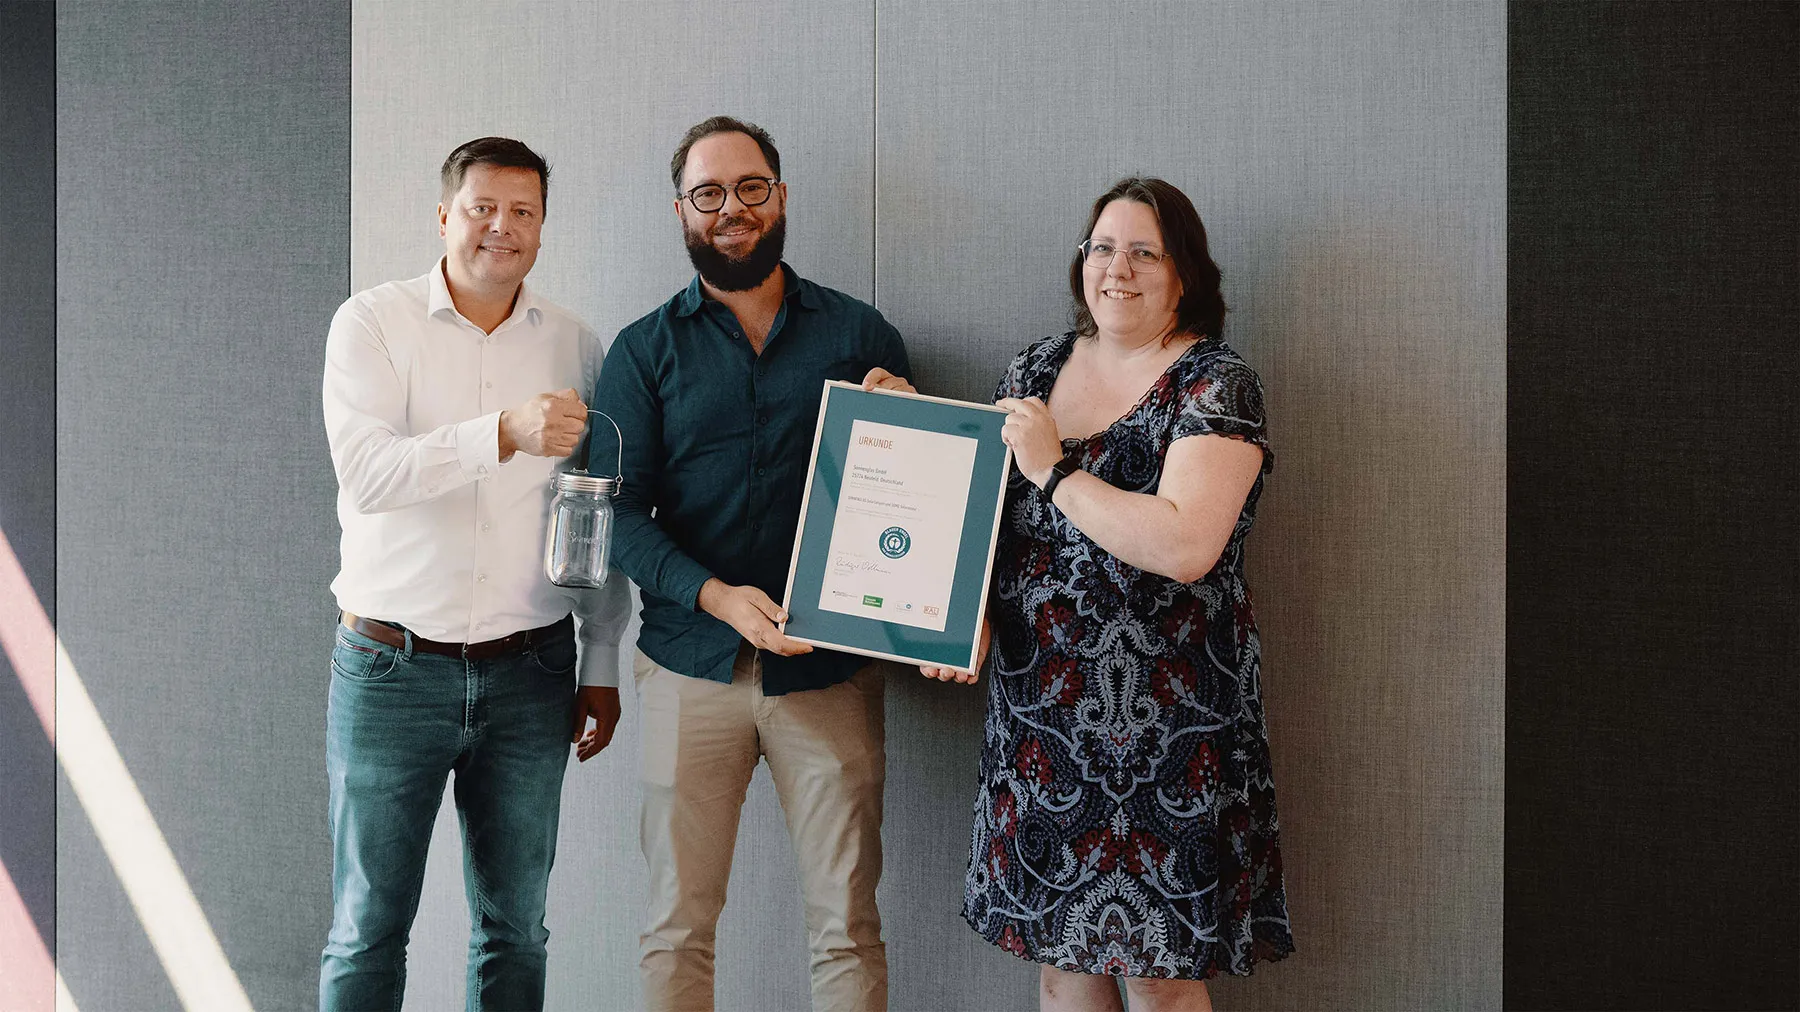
601 616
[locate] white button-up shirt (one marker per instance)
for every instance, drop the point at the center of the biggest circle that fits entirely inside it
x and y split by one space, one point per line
439 536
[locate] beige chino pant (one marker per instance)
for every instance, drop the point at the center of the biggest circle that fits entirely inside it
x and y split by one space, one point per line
826 752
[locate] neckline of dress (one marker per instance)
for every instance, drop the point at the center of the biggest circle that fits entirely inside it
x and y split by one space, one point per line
1062 359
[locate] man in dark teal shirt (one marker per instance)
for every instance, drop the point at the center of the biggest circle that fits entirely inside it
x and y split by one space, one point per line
717 394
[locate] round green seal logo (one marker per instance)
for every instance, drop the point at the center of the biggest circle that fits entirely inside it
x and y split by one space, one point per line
895 542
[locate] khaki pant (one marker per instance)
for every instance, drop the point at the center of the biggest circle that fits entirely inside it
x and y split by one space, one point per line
825 749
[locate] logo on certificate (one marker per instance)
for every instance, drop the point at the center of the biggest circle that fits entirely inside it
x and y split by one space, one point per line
895 542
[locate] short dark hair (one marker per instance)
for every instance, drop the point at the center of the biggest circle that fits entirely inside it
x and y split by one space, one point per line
722 125
503 152
1201 309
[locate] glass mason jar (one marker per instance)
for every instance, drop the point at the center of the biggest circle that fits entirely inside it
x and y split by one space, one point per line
578 544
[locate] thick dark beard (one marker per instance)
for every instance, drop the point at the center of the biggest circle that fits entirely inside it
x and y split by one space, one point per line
728 275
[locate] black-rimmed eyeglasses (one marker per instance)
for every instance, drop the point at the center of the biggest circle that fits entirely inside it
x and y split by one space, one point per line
751 192
1141 258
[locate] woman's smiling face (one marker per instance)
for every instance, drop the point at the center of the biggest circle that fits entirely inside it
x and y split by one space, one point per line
1128 303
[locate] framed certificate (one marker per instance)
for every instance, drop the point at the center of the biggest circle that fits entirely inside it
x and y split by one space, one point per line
897 526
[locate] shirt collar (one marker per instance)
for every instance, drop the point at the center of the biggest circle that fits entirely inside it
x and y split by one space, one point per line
795 288
440 302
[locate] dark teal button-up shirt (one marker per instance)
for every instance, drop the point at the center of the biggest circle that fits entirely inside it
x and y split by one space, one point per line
717 441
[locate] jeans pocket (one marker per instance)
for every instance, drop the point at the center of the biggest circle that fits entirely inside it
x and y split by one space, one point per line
555 656
361 659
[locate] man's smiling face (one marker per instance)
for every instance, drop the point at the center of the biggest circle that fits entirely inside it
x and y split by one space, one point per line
492 225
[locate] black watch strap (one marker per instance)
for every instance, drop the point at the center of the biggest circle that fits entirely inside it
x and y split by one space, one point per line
1070 463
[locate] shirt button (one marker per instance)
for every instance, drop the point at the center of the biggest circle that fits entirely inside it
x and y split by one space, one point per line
762 419
486 526
480 577
489 384
489 478
431 489
482 469
762 470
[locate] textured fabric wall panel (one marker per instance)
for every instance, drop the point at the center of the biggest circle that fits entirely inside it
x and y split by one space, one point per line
604 91
28 418
1350 165
202 203
1653 767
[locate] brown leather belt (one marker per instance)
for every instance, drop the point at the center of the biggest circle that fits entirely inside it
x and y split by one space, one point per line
381 632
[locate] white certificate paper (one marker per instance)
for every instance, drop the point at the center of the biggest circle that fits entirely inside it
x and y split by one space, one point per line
899 524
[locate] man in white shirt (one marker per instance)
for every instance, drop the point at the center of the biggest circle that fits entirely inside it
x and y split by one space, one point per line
450 400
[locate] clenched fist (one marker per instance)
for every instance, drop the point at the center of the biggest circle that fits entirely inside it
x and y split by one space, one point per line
548 425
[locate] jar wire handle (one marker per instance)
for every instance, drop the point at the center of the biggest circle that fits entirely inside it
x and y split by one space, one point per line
619 461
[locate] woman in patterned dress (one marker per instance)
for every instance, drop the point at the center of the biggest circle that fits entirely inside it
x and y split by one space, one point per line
1125 823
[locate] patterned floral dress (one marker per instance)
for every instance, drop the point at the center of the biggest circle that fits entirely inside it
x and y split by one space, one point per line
1125 822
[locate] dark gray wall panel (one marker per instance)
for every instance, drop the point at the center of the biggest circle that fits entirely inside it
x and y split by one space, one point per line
28 424
1349 161
1653 563
203 204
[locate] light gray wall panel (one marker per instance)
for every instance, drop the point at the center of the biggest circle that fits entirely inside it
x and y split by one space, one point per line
202 246
604 91
1349 164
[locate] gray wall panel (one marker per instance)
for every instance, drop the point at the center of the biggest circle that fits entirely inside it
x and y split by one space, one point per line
28 468
201 150
1349 163
604 91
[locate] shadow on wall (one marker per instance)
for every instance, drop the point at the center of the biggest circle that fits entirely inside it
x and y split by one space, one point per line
1374 570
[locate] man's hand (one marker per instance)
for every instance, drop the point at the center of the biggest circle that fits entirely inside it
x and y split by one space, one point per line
548 425
600 702
879 377
752 614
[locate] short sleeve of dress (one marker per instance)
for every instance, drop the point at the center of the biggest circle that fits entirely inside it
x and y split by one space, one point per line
1224 398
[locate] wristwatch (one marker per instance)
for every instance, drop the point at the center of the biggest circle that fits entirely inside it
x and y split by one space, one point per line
1070 463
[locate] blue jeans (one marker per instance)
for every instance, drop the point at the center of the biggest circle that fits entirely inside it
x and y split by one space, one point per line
398 723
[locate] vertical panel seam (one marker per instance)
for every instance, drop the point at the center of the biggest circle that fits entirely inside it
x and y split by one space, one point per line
349 141
875 152
55 462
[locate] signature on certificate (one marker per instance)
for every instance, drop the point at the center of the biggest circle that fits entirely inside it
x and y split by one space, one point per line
844 567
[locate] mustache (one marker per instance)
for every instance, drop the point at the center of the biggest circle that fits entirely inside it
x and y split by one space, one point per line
725 223
741 273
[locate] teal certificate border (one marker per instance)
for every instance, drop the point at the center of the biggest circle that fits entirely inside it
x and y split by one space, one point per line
840 405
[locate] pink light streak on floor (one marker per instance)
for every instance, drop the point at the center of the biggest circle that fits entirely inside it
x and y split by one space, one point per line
27 975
